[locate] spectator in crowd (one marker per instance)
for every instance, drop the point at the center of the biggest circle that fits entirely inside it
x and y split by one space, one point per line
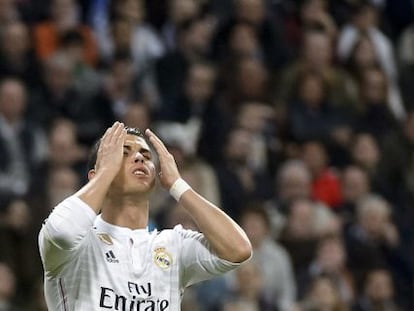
363 59
193 44
22 143
311 116
119 86
372 235
247 80
197 109
119 37
364 21
59 174
376 117
355 184
306 222
17 228
144 72
243 62
60 181
17 55
144 76
8 13
293 181
7 288
315 14
138 114
242 42
405 47
195 97
63 17
179 11
143 43
396 160
366 153
259 118
267 29
325 181
238 181
405 53
317 56
57 96
323 295
140 39
309 14
248 294
378 292
86 79
330 261
279 288
63 149
373 241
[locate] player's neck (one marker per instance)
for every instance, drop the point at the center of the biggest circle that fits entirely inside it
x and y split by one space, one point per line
126 212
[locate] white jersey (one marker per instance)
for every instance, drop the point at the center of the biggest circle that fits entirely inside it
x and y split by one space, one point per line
92 265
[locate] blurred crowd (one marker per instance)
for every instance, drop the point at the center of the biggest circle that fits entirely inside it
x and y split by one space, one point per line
296 117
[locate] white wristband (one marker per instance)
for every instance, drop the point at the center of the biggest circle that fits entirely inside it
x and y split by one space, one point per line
178 188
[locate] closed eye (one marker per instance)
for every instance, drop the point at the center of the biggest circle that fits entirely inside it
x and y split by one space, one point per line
147 155
145 152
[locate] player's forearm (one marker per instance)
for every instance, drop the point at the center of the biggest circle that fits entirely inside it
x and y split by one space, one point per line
225 236
94 192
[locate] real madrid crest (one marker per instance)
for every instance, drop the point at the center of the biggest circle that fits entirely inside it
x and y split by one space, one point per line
162 258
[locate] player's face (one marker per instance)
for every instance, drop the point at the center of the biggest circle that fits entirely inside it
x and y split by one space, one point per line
137 173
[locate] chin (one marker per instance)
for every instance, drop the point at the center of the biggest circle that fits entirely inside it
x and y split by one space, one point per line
142 187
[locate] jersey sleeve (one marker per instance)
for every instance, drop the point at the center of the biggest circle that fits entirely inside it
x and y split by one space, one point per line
63 232
197 260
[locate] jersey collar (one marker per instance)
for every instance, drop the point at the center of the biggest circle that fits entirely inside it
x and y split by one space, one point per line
117 231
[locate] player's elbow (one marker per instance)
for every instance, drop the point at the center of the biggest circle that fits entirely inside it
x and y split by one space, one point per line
242 252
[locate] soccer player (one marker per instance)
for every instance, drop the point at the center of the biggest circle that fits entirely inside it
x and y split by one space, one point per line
96 249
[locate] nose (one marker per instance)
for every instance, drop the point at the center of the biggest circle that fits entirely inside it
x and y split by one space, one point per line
138 157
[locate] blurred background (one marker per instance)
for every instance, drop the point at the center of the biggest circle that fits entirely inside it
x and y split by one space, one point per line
295 117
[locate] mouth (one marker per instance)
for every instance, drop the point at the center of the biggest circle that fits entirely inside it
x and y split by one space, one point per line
142 172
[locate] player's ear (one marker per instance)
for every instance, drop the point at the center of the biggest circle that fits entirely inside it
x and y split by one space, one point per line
91 174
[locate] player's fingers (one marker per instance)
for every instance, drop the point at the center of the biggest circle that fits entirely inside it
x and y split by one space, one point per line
115 132
119 132
105 135
157 143
122 136
108 133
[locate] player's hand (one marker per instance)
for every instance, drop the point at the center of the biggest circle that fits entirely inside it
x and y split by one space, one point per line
168 168
110 153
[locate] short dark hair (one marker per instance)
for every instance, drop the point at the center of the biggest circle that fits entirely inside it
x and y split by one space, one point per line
94 150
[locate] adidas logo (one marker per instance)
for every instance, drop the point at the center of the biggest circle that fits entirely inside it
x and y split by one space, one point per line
110 257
